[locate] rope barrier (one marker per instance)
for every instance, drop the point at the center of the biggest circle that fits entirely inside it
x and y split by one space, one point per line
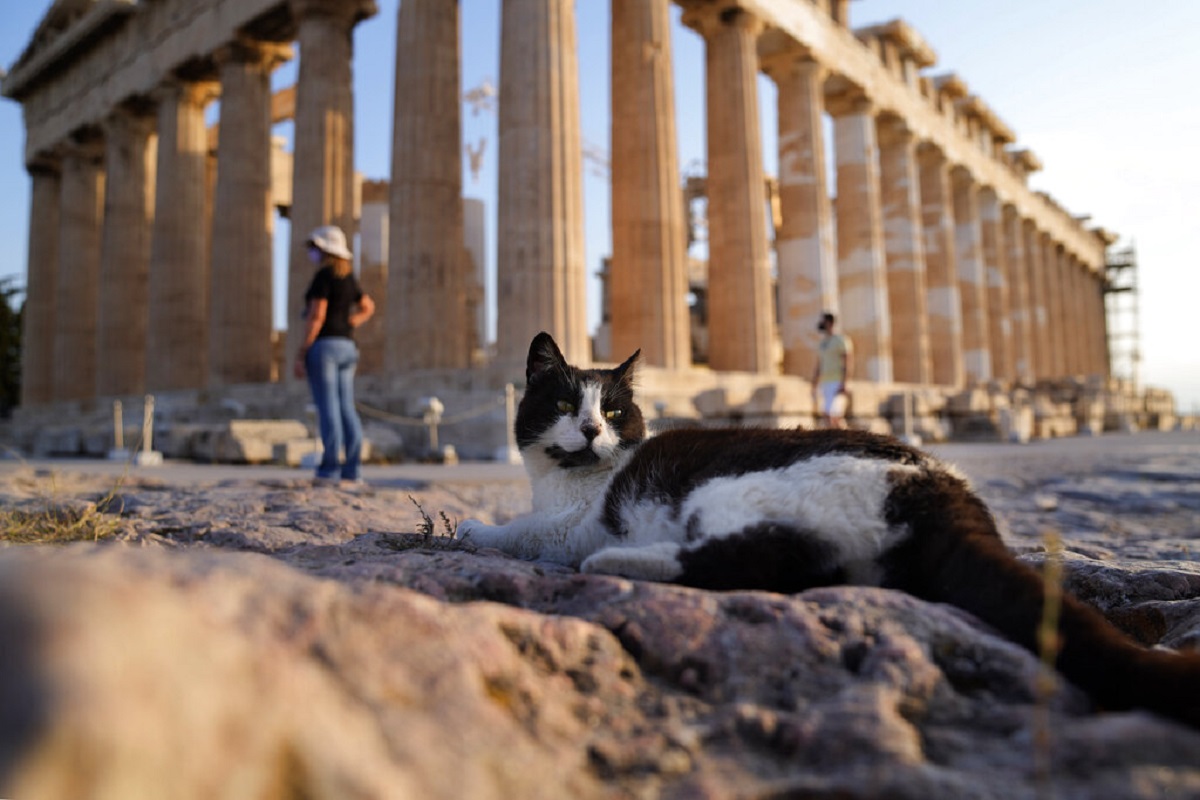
470 413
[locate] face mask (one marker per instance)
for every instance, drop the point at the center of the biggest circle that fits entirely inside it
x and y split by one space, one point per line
315 255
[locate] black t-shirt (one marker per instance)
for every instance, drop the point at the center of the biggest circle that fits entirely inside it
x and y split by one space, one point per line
342 295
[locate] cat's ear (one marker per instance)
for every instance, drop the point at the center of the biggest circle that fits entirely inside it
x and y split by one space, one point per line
544 357
624 373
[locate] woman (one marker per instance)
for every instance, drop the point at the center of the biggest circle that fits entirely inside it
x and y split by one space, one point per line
335 306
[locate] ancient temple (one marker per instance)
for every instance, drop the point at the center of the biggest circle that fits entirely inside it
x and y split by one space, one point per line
149 242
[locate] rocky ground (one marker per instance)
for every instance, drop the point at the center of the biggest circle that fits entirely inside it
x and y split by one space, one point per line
256 637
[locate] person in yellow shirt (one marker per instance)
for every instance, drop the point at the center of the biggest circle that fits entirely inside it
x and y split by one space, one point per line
834 358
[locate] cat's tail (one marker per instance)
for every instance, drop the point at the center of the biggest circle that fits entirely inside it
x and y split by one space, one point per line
955 555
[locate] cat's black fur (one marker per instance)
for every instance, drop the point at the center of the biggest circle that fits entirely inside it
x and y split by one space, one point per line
931 535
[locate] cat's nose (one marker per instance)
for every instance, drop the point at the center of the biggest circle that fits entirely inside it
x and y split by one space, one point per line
590 430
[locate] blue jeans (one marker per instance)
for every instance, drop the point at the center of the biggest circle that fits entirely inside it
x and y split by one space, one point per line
330 364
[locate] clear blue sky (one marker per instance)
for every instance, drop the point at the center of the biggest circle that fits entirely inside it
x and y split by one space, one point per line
1104 92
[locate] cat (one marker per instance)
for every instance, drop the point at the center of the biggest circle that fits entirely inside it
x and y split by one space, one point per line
785 511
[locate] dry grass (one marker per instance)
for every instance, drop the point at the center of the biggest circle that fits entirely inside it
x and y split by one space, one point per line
1049 643
53 521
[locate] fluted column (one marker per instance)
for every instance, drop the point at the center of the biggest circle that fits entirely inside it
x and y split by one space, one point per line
862 271
1019 299
81 215
373 253
125 252
972 279
323 161
1039 330
944 304
904 252
741 316
1055 366
1081 335
540 257
38 317
177 333
1091 354
804 243
648 281
427 268
1103 364
1071 334
995 264
243 223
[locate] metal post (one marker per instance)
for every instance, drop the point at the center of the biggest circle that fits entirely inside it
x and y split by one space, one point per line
433 415
118 426
148 457
118 452
148 425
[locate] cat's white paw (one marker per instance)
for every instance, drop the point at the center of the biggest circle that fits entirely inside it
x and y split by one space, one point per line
657 562
477 533
466 528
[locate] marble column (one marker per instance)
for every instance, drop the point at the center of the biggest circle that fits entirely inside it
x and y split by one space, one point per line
944 305
999 292
122 315
1071 334
1081 338
1019 300
373 253
741 319
1103 364
1087 296
540 257
323 151
243 223
1055 364
904 252
1035 270
862 271
81 215
427 273
804 243
177 333
38 320
648 280
1069 337
972 279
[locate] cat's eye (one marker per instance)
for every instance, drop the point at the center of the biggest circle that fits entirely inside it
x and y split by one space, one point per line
566 407
613 413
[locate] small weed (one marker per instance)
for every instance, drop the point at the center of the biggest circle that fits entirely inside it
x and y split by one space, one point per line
429 532
428 528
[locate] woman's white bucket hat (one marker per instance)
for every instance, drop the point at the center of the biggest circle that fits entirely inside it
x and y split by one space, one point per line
330 239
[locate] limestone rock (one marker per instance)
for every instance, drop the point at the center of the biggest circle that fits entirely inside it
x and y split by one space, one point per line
259 638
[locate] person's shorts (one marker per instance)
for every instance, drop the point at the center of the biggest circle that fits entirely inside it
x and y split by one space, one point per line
833 402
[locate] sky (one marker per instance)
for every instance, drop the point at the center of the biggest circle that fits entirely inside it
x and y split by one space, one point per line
1104 93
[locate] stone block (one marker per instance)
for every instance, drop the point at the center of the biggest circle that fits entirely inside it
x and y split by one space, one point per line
307 452
58 441
969 402
1016 424
292 452
245 441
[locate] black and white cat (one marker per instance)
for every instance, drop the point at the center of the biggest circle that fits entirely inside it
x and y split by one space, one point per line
785 511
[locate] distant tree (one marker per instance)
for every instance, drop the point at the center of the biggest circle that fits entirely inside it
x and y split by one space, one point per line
10 346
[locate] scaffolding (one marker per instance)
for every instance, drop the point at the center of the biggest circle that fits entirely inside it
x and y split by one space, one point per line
1122 309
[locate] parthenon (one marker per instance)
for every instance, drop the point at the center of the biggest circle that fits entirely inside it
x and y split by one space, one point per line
150 237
